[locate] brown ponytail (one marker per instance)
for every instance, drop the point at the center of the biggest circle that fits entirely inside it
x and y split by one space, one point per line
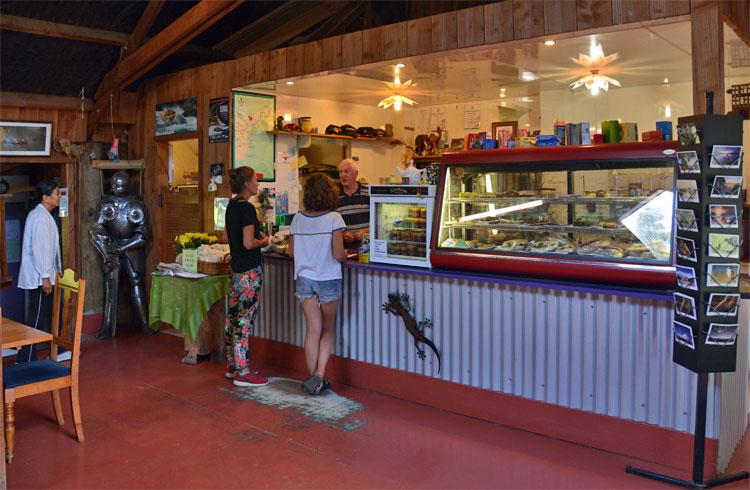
238 176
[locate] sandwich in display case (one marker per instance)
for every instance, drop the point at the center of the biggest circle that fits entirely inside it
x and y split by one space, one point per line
596 213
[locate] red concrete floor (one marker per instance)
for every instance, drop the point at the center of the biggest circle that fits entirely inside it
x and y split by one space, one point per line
151 422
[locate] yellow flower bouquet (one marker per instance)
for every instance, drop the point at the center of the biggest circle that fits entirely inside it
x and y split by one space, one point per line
193 240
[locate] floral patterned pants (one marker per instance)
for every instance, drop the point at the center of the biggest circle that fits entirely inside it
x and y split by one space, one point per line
243 308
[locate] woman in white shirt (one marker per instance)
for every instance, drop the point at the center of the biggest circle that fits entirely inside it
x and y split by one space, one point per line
40 262
317 245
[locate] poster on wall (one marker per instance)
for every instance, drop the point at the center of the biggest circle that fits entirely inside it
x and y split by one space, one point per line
220 211
252 144
472 116
218 120
175 117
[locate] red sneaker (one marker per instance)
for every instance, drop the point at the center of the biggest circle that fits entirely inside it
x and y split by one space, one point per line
249 379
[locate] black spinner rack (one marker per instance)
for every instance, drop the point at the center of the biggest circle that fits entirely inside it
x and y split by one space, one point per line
707 295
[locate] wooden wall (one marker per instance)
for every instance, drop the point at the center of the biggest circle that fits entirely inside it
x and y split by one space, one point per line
468 28
66 123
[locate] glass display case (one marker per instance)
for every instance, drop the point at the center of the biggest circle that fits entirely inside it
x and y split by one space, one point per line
599 213
399 218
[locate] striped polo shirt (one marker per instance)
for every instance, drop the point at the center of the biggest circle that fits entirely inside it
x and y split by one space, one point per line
355 209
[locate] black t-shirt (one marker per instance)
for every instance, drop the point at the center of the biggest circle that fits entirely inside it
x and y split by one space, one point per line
239 215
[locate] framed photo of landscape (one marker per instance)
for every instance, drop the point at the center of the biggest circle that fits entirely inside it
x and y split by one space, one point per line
25 139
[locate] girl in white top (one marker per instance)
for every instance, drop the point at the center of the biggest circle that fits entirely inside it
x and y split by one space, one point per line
317 245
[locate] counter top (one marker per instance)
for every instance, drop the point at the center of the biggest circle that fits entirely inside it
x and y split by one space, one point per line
593 288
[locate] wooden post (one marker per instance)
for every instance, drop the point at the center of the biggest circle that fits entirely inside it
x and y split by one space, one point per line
707 32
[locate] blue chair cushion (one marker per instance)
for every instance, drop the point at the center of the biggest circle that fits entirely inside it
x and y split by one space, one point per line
32 372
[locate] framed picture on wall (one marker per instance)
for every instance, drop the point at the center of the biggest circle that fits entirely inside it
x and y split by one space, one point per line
179 116
25 139
510 128
252 143
218 120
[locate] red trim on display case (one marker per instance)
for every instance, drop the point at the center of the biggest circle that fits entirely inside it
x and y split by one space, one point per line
579 270
620 151
642 275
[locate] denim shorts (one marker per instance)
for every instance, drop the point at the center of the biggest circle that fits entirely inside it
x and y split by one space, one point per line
325 291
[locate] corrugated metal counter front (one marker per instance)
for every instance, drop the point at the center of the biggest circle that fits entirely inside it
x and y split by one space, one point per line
597 349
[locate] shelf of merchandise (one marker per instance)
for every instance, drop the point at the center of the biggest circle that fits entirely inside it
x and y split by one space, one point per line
392 141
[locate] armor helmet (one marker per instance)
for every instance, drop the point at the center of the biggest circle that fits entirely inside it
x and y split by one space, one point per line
120 183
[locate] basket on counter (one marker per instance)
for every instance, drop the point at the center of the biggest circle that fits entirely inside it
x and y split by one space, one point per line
214 268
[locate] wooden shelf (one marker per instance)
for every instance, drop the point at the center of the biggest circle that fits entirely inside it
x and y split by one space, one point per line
121 165
392 141
19 190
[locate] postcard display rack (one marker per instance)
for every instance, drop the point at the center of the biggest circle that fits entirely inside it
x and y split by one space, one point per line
706 297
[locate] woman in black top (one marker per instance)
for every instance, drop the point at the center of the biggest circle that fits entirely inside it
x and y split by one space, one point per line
245 241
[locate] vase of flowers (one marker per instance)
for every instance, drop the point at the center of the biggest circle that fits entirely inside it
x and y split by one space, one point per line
187 245
193 241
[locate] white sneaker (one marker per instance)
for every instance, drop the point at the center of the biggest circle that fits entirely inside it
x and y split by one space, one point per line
64 356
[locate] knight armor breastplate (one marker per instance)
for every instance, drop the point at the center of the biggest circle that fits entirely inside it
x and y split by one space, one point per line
122 216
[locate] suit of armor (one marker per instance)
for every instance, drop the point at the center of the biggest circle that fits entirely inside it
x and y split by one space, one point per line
120 235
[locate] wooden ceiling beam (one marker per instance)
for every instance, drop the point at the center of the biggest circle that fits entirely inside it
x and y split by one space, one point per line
138 36
18 99
62 31
248 33
333 24
77 33
274 35
174 36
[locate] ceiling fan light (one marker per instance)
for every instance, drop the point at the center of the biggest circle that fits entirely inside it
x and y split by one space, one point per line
397 104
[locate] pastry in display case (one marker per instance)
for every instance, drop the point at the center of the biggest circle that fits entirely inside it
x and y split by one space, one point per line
599 213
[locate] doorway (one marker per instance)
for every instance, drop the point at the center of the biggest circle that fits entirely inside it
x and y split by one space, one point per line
180 200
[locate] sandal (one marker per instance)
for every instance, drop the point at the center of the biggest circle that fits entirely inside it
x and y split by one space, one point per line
325 386
313 385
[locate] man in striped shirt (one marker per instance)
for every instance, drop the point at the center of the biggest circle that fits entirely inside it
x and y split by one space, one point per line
354 203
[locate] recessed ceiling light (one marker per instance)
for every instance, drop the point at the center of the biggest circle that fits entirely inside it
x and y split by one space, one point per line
527 125
503 103
527 76
502 89
290 83
666 80
400 65
527 99
502 95
549 42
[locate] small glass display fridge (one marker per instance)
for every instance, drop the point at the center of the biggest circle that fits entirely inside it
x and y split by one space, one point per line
400 224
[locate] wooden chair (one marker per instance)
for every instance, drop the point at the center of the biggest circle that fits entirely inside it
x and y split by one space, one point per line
48 375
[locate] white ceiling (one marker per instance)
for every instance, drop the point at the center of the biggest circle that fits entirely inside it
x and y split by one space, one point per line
647 56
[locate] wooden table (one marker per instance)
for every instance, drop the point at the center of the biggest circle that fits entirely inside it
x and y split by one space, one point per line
17 335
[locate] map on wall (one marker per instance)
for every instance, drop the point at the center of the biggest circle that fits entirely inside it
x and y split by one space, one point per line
252 145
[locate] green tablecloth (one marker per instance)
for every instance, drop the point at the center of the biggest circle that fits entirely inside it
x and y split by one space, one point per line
183 303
